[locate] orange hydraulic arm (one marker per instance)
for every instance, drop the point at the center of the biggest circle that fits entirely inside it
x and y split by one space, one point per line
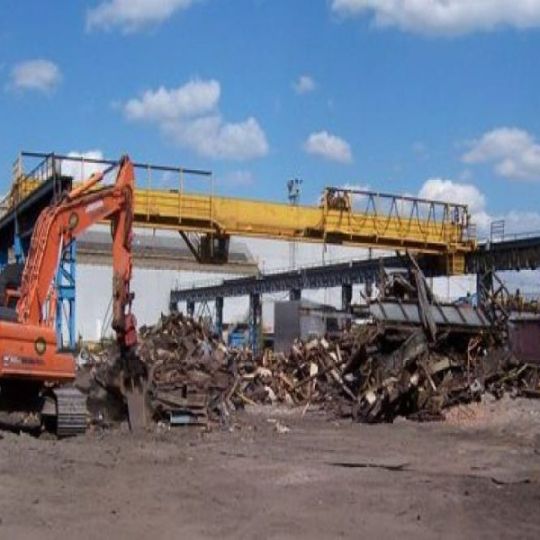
59 225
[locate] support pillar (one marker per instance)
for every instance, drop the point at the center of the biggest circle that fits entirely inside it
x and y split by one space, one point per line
346 297
255 321
369 288
484 286
219 316
18 249
65 305
190 308
295 295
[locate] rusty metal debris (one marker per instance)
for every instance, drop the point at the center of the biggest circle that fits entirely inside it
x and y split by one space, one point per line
191 375
411 357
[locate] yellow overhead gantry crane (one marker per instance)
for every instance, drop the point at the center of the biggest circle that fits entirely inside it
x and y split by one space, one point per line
385 222
344 216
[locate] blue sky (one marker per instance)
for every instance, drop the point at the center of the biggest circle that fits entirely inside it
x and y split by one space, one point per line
333 91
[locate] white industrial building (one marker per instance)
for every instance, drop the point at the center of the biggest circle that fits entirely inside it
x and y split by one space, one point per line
163 262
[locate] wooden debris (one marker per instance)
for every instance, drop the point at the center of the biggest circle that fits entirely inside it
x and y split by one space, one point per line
372 373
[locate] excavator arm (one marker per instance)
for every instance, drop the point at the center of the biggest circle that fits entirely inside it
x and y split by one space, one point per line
58 226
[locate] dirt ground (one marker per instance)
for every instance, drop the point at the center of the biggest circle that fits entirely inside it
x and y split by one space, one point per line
475 476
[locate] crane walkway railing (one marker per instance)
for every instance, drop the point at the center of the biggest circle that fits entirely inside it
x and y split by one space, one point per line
344 216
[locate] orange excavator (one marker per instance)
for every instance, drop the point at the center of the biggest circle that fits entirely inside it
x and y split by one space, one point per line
35 375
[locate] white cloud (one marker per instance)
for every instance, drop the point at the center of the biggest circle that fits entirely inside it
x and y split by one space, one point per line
521 221
447 190
514 153
461 193
440 189
39 74
212 137
328 146
192 99
81 170
189 116
444 16
304 85
132 15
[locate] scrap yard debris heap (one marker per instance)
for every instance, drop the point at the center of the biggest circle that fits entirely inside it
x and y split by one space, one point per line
412 357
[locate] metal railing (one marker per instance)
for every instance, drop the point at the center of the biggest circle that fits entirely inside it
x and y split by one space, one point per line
384 210
79 167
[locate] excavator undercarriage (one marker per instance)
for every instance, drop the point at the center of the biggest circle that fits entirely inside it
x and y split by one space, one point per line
35 408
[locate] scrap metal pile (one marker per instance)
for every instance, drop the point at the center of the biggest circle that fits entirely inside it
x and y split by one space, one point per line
412 357
375 373
190 375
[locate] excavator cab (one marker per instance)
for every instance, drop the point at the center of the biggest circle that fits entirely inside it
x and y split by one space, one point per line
10 282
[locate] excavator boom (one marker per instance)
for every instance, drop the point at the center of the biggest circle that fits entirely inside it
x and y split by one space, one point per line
58 226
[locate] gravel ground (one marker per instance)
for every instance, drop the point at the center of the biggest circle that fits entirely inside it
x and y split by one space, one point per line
279 475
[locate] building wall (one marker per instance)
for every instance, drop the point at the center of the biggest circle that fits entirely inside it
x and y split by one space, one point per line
151 287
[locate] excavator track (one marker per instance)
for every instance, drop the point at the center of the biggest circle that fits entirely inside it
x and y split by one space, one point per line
70 411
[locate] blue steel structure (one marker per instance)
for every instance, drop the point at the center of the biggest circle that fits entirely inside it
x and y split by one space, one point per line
219 316
255 322
511 253
65 287
16 227
521 252
18 249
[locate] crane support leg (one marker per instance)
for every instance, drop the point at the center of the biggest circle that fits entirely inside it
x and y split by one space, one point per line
255 321
219 316
190 308
484 285
65 307
295 294
346 297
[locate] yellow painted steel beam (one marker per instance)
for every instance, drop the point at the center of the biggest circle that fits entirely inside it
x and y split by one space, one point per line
241 217
405 223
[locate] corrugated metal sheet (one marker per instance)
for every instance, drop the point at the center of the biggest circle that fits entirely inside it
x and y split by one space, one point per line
443 315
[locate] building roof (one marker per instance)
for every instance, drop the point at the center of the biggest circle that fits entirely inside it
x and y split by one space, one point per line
161 249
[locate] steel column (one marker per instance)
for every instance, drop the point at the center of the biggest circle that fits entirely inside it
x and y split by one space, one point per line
346 297
219 316
65 306
190 308
18 249
295 294
255 321
484 286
